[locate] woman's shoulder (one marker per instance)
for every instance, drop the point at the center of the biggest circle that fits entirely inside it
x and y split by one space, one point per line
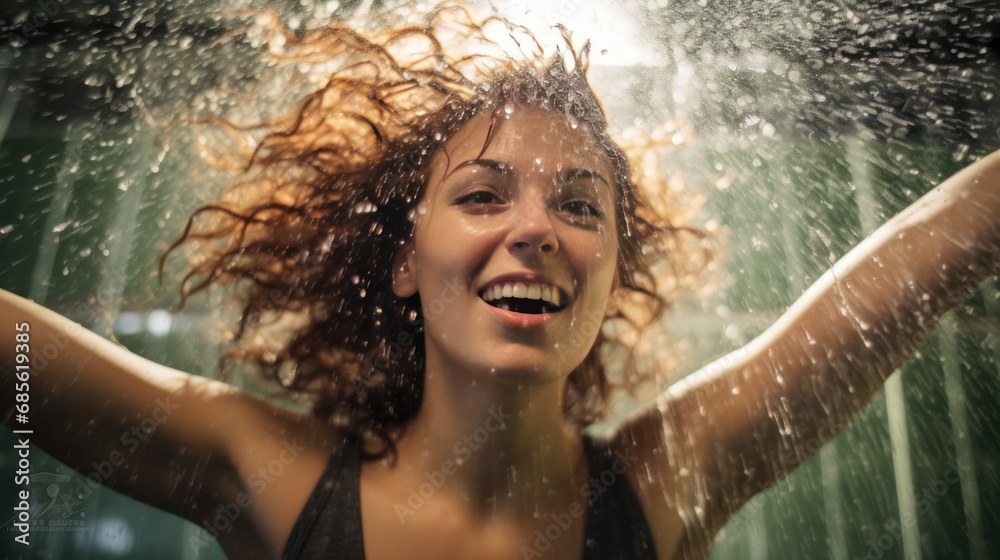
278 458
656 477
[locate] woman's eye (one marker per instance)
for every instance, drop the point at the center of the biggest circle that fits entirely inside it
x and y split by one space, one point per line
582 208
479 197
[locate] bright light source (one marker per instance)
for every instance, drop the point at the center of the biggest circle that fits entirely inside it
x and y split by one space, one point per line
128 323
114 536
158 322
615 36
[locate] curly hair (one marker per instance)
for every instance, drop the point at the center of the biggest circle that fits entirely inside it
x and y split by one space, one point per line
325 199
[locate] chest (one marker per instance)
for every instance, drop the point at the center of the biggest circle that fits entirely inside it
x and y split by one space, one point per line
438 527
371 516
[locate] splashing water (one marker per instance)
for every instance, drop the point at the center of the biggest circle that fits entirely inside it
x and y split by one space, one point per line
821 120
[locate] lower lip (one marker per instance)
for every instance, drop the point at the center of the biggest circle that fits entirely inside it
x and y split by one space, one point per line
519 320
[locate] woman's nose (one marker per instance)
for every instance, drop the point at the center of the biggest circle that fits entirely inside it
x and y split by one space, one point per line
531 227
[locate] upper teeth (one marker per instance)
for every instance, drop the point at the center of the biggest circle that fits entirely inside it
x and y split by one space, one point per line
521 290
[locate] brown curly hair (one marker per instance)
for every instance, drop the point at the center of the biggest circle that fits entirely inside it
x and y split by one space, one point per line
324 200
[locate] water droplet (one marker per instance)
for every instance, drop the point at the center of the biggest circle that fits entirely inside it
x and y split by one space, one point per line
960 153
364 208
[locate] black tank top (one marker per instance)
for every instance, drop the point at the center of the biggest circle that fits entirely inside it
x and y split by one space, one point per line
329 526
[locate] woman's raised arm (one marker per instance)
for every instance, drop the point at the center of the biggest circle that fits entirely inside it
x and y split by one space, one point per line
183 443
121 420
753 416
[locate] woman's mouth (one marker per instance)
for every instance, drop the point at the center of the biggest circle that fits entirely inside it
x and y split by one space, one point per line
527 298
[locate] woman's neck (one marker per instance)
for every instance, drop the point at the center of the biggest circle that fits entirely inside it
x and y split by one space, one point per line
505 449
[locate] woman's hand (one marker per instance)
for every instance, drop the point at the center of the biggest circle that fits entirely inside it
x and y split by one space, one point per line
729 430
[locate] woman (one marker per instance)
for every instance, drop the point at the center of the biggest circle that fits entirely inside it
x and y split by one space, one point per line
452 382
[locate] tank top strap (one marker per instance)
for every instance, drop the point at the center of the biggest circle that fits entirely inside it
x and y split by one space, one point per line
616 525
330 523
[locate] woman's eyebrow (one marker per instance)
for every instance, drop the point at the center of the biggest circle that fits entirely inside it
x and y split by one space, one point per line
570 175
490 164
565 177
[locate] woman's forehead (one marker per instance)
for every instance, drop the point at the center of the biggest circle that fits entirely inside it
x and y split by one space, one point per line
525 138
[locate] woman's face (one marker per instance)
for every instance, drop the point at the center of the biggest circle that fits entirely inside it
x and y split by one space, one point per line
532 215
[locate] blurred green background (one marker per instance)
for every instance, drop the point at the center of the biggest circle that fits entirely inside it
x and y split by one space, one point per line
826 121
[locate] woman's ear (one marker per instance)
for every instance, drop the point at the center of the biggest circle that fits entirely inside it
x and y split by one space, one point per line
611 308
404 281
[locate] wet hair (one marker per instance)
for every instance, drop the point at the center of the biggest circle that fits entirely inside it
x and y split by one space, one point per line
308 229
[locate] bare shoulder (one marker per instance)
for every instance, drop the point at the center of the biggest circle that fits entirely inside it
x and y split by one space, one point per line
663 475
278 457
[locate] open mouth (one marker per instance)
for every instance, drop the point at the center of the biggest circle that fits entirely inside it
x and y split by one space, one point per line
530 306
522 301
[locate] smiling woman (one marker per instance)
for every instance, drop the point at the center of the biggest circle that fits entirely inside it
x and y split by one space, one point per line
444 252
442 164
496 221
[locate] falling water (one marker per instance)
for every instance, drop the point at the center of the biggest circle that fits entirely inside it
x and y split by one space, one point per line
814 121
